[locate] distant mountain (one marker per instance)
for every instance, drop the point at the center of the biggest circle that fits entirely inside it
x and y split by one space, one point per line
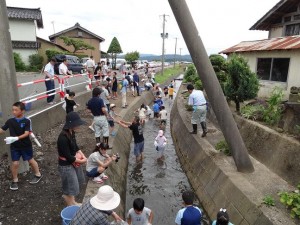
168 57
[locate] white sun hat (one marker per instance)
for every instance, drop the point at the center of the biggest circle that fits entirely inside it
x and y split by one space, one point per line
106 199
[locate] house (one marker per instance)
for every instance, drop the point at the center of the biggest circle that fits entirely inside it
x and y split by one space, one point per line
276 60
79 32
44 45
22 27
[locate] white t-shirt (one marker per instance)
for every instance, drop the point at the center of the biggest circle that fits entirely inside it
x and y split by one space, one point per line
63 69
104 69
142 112
163 114
50 69
104 94
139 219
197 98
90 63
92 161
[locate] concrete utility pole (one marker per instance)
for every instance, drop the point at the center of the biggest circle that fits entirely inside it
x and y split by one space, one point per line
211 85
180 54
175 51
8 80
164 35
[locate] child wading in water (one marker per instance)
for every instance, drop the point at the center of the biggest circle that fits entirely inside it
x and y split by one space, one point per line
160 144
142 113
139 214
20 144
98 162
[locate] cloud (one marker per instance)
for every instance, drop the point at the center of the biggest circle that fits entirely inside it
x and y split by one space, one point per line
137 23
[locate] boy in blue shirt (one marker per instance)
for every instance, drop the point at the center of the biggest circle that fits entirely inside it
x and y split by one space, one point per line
156 109
20 144
189 215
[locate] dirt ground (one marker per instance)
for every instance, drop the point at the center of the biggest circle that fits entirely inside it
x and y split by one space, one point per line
42 203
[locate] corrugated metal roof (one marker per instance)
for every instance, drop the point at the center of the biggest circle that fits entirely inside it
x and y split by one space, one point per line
281 43
25 13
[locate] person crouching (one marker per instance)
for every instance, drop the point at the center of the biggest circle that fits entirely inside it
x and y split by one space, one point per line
98 162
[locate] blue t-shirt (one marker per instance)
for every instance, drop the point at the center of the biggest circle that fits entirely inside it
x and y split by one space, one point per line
159 102
96 104
124 86
190 215
155 107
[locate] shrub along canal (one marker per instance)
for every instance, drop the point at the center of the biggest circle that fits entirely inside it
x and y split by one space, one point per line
159 183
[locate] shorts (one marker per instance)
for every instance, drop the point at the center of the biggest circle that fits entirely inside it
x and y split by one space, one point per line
97 77
138 148
111 123
93 173
171 97
26 154
71 178
101 126
156 114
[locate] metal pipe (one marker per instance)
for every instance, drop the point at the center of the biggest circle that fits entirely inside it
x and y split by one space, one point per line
211 85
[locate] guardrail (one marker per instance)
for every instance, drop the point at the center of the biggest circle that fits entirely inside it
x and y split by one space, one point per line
60 90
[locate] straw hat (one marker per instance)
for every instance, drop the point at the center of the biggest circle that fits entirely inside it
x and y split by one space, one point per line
106 199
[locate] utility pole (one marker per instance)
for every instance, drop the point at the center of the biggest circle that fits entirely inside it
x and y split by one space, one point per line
8 81
180 53
175 51
211 85
164 36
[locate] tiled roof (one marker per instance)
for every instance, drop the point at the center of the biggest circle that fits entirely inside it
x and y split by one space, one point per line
281 43
26 14
76 26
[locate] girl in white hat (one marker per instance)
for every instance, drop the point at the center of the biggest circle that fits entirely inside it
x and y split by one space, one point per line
160 144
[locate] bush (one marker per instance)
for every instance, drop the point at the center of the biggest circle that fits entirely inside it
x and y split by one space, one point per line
191 76
220 67
19 64
253 112
35 62
272 113
223 147
52 52
292 201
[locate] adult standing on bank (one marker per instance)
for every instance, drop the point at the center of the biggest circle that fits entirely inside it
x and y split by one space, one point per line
63 71
90 65
70 158
124 91
50 85
198 101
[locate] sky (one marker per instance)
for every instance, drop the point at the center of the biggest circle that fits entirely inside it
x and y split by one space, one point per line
137 24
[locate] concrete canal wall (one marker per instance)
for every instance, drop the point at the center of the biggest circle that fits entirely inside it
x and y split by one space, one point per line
216 182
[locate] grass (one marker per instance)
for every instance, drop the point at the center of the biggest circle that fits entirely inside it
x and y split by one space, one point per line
169 72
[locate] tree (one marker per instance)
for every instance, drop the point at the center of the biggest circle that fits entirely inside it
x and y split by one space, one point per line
220 67
114 49
132 56
77 44
242 84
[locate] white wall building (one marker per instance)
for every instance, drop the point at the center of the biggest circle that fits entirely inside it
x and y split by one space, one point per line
22 26
276 60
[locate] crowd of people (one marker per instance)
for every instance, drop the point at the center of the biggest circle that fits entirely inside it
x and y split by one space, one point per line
71 158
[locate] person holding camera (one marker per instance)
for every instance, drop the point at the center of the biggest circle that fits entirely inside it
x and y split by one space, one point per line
98 162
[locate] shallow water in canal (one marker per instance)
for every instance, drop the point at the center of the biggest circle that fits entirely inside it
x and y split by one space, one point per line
160 184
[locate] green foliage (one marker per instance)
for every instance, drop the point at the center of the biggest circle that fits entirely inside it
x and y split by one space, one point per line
189 107
114 48
132 56
220 67
269 200
223 147
77 44
198 85
35 62
272 114
292 201
169 72
50 53
253 112
242 84
191 76
19 64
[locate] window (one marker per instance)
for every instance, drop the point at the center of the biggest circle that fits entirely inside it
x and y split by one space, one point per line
293 29
274 69
287 19
297 17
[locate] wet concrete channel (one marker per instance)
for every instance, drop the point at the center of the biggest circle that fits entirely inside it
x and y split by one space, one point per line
161 183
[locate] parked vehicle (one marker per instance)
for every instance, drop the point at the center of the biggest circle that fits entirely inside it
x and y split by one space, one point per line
74 64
